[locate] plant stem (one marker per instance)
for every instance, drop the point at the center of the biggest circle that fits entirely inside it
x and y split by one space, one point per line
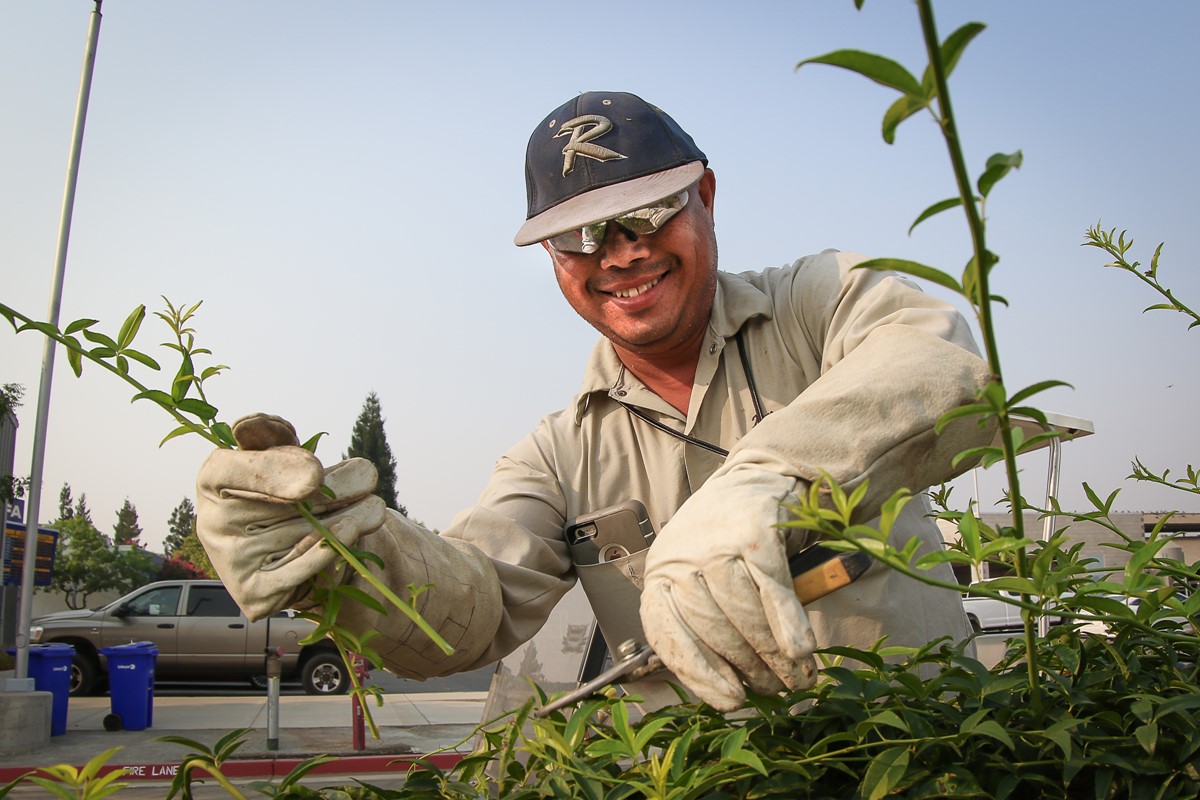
370 578
981 265
70 345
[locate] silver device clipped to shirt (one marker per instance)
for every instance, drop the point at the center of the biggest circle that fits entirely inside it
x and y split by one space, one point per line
612 533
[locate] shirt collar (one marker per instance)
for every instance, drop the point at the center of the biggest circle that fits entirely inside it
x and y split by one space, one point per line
736 301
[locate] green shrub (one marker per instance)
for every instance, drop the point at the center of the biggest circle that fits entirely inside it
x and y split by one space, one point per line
1101 706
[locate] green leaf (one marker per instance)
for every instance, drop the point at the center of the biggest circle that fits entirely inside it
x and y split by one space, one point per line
359 596
985 455
162 398
1010 583
973 410
994 730
130 326
196 406
733 742
180 431
912 268
882 70
997 167
224 433
141 358
99 338
954 45
889 718
42 327
884 773
183 378
968 531
899 111
1184 702
647 731
75 359
311 444
936 208
1147 736
750 760
1060 734
1029 391
79 325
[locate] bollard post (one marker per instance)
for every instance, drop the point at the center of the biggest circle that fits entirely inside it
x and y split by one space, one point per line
361 672
273 675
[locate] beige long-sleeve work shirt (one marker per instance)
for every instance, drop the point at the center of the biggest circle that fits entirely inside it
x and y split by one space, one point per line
854 368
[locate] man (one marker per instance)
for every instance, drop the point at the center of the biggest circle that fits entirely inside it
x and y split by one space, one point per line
712 398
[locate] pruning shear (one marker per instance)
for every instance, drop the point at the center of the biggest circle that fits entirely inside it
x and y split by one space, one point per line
816 571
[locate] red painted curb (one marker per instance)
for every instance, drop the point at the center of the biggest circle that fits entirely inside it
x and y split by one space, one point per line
266 767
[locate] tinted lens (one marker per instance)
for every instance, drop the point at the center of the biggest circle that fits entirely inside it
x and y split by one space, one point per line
642 222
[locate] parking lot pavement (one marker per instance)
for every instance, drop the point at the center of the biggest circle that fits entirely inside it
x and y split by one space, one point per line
409 725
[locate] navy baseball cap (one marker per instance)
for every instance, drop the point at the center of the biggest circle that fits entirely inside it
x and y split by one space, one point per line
600 155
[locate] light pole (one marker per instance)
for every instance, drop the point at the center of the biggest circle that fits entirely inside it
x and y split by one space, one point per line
22 682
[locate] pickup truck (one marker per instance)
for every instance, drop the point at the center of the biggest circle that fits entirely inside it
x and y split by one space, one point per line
988 614
200 634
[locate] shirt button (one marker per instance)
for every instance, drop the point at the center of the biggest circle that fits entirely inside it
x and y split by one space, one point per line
712 348
621 392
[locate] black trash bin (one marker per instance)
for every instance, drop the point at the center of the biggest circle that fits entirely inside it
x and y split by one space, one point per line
131 685
50 668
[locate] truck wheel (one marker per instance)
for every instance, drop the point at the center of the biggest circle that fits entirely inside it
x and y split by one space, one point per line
83 676
259 682
325 673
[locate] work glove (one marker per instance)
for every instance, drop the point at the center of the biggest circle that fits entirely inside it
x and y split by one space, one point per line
718 605
260 546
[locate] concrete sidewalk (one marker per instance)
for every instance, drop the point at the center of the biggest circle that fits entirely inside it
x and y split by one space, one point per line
410 725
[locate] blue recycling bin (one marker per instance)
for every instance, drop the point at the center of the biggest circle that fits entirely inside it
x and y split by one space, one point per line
131 685
50 668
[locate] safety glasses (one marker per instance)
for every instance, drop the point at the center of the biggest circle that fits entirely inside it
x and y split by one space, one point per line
642 222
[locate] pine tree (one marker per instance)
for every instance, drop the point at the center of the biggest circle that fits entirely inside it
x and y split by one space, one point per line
369 441
127 530
182 523
66 505
82 510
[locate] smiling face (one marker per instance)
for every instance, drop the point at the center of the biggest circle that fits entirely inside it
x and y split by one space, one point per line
649 295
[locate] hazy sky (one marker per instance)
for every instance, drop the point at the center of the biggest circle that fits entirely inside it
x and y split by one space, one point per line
340 184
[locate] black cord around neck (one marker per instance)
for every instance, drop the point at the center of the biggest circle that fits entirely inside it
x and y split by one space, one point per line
759 414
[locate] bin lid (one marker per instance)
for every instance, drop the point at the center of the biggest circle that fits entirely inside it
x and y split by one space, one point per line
131 649
47 649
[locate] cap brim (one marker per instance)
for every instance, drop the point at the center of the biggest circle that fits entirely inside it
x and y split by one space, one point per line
607 202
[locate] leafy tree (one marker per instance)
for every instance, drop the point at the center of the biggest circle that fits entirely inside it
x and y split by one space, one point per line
88 562
181 524
85 562
133 567
10 398
369 441
192 552
178 569
11 487
127 530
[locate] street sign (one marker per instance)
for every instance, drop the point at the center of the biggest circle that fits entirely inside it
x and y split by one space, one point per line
15 510
14 554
